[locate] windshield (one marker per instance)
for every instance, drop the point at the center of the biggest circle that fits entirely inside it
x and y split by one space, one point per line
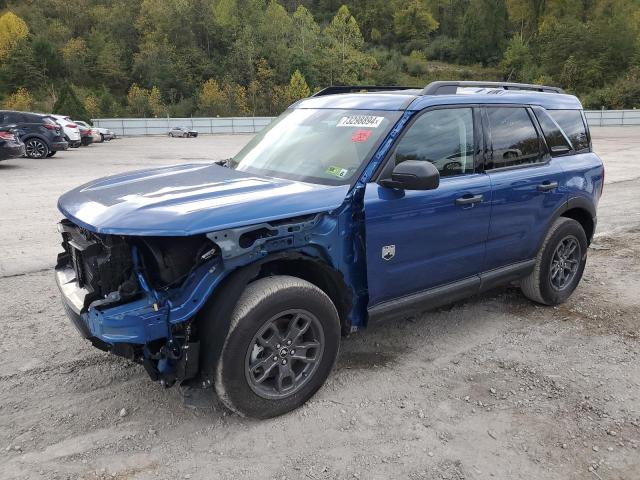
327 146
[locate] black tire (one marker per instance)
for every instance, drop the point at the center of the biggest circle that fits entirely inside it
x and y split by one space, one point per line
264 302
543 285
101 138
36 148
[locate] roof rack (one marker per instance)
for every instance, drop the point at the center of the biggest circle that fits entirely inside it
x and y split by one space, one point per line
448 88
359 88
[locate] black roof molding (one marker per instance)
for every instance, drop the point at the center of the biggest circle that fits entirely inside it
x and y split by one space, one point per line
451 88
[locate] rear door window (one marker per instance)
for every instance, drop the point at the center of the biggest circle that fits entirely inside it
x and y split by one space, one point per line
514 139
553 134
573 125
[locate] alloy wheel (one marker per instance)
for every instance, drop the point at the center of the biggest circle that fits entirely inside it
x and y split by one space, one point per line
565 262
35 148
284 354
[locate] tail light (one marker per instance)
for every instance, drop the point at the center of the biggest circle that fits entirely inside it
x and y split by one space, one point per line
72 125
50 126
7 136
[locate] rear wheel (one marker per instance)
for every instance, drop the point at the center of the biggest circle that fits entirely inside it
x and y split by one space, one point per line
36 148
281 345
559 264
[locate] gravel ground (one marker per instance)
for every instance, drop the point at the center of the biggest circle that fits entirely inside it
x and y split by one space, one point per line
492 387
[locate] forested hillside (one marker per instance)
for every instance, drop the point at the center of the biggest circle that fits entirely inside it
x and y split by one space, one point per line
253 57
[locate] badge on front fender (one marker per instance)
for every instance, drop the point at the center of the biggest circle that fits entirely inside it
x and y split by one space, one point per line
388 252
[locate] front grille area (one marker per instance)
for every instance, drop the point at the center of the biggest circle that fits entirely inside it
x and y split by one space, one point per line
102 263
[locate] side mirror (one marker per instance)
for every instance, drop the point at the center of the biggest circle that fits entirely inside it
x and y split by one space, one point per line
413 175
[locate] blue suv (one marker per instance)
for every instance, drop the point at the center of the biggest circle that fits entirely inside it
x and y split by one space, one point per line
355 205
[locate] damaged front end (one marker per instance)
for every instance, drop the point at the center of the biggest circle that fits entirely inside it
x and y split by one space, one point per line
137 296
131 296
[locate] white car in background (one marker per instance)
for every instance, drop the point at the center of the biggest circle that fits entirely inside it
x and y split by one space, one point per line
99 134
70 129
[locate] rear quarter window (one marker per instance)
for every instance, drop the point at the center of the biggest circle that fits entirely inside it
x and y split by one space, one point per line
572 124
31 118
553 134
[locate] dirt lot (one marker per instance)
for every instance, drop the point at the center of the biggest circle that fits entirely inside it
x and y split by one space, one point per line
493 387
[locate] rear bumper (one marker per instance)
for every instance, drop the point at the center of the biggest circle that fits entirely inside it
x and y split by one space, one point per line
13 151
57 146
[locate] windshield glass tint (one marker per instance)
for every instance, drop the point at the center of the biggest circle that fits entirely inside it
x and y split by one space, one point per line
326 146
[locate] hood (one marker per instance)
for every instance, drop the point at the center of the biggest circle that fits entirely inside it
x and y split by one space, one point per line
190 199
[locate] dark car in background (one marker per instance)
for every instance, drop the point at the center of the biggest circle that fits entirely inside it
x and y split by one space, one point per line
10 144
182 132
41 135
86 135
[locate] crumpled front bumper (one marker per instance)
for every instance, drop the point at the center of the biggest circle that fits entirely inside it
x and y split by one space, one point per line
136 322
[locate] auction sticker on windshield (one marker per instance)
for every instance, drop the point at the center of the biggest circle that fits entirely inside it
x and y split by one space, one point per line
337 171
360 121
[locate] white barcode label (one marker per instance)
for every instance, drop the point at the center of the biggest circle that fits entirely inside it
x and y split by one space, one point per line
360 121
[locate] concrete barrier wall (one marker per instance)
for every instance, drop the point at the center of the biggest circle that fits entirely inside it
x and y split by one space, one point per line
234 125
161 126
602 118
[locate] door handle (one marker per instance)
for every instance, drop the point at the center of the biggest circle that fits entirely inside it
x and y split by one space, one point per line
546 186
469 200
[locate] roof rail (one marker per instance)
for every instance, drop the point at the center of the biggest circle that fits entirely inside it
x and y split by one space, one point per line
359 88
448 88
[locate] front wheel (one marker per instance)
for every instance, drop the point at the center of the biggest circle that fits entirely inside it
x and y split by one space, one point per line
36 148
282 343
559 264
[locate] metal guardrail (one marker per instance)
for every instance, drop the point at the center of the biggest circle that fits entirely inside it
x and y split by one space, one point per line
603 118
161 126
238 125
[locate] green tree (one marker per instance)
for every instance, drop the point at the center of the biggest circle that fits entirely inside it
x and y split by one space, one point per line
212 100
285 95
20 69
156 105
298 87
413 24
305 43
69 104
343 59
74 54
484 27
138 100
